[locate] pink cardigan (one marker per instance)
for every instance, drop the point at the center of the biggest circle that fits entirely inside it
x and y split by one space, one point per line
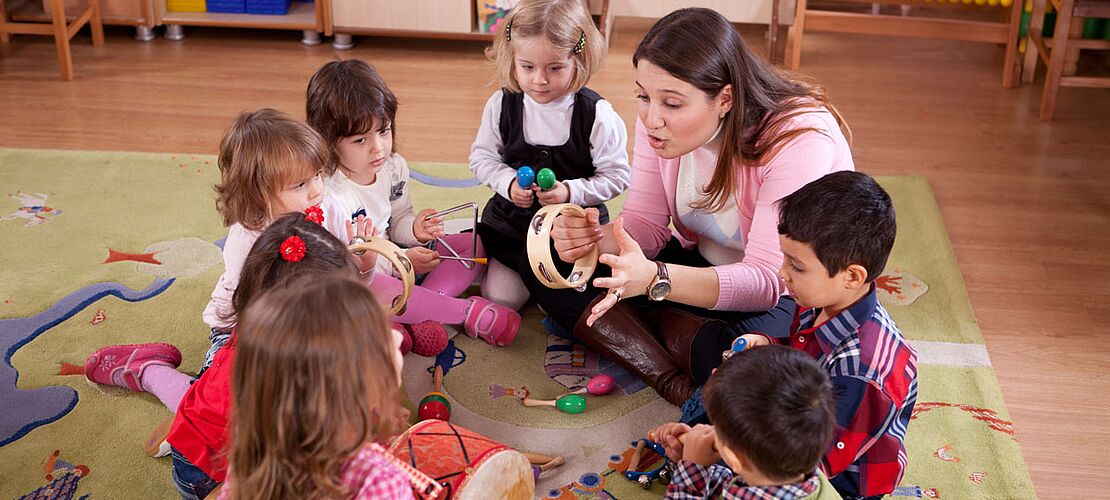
752 284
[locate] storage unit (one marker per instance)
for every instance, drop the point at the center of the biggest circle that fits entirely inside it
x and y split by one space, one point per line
444 16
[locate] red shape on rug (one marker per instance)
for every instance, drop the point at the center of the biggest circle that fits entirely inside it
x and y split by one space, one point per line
116 256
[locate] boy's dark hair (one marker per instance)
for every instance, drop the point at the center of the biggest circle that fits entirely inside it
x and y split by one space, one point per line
846 217
345 98
775 405
264 268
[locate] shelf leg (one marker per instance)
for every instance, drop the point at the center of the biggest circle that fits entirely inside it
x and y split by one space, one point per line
175 32
310 37
144 33
342 41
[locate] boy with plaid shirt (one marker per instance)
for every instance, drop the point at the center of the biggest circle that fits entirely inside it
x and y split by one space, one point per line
836 234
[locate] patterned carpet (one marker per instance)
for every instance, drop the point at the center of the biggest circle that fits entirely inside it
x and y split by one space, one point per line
108 248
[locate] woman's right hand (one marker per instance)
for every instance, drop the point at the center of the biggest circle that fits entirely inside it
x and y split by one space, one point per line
575 236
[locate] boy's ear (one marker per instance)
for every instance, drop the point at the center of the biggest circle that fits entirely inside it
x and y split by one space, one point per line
855 276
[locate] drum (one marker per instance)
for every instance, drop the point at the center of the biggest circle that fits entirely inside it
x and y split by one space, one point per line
467 464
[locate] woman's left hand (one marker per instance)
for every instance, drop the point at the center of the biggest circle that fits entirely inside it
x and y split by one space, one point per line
427 230
632 272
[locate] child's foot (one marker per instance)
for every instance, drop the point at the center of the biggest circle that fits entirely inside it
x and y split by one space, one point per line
406 339
123 365
156 445
495 324
428 338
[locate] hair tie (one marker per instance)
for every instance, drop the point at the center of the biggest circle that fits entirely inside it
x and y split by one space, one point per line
509 31
314 214
292 249
581 43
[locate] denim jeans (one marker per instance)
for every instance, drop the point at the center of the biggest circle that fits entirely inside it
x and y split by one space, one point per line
218 339
191 482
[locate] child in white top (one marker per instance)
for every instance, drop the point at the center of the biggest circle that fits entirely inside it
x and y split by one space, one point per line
543 117
351 106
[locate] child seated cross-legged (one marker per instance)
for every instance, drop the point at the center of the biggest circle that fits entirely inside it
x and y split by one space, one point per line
772 412
836 234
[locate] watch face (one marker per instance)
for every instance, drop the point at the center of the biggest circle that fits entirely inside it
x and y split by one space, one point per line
659 291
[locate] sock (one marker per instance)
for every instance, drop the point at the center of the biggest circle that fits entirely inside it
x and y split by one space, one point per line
451 277
503 286
423 305
165 382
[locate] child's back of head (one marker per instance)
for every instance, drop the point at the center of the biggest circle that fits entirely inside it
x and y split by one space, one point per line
774 405
314 379
845 217
347 98
262 154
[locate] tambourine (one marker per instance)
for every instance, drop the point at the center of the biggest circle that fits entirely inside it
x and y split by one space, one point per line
395 256
539 250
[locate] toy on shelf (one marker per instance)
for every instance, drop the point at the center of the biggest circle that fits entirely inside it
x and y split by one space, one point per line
567 403
434 405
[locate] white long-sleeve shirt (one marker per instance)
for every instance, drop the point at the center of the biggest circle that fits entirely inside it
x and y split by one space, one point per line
549 125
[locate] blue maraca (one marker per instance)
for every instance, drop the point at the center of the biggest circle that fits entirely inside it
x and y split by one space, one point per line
738 345
525 176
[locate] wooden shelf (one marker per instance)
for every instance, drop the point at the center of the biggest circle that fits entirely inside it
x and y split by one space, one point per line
301 16
32 11
445 35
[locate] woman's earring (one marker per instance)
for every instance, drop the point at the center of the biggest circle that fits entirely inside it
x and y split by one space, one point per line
721 115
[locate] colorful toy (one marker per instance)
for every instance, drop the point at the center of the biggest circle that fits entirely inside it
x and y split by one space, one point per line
434 405
646 478
567 403
738 345
545 179
468 464
526 176
600 385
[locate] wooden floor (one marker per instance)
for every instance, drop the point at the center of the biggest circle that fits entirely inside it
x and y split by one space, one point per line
1027 204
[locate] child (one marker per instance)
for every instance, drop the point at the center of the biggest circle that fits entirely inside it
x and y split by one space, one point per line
836 234
314 386
351 106
202 405
269 164
543 117
773 411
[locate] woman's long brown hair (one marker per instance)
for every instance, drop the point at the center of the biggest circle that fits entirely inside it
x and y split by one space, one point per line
699 46
314 379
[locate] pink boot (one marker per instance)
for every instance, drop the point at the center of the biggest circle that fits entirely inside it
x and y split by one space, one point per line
123 365
495 324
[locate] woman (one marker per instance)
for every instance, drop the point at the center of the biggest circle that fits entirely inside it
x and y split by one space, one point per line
720 137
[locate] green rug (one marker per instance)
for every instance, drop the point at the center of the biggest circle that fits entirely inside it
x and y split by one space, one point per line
77 227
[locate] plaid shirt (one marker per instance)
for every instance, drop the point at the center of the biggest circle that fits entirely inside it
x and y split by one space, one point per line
694 481
369 474
874 376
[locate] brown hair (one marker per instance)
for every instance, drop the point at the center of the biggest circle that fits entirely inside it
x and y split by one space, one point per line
345 98
564 23
699 46
313 380
261 152
775 405
264 267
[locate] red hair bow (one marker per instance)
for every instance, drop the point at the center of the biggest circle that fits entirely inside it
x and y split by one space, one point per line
314 214
292 249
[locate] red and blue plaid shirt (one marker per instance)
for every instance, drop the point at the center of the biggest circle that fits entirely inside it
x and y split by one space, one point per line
692 481
873 371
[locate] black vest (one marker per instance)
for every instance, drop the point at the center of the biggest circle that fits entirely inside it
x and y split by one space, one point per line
571 160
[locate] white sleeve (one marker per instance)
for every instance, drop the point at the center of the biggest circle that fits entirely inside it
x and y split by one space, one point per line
487 152
401 212
609 151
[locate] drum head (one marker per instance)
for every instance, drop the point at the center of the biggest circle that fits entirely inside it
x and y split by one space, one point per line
505 474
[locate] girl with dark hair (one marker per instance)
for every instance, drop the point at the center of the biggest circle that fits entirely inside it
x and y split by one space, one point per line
721 135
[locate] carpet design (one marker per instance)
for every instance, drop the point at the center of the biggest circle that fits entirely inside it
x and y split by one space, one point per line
117 248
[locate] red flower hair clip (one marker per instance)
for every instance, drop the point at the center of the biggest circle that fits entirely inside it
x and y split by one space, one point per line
292 249
314 214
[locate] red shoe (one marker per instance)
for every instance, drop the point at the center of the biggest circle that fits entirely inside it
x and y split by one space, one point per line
493 323
428 338
123 365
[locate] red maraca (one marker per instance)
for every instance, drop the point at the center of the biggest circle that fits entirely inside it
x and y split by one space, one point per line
435 405
600 385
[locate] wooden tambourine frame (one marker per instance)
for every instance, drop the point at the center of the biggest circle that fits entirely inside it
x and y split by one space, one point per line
539 250
401 263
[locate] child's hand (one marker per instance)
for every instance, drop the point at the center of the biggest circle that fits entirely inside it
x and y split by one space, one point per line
423 259
700 446
669 435
363 228
755 340
521 197
427 230
559 193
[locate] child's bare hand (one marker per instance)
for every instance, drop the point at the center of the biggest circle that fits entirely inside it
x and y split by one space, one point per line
559 193
670 436
429 229
362 228
423 259
700 446
521 197
755 340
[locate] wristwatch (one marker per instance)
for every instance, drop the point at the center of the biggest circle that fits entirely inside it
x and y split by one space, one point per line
660 286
